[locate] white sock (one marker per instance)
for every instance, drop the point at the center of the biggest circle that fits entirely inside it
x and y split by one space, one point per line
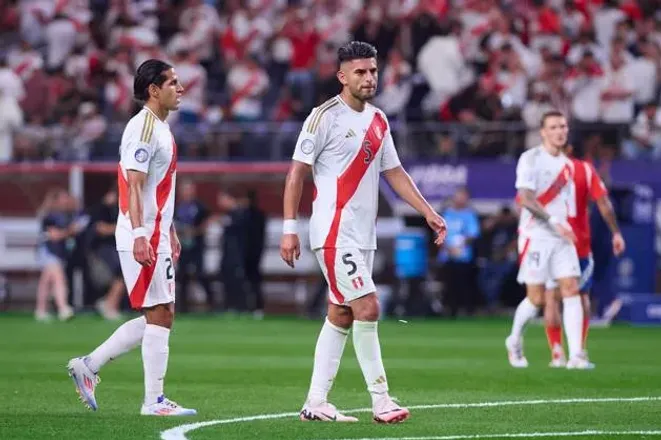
124 339
368 352
524 313
155 352
327 356
572 316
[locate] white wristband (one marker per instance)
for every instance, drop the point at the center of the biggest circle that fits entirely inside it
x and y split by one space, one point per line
139 232
554 221
290 226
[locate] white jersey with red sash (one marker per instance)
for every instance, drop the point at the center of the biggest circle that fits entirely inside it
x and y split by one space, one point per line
550 177
543 254
347 150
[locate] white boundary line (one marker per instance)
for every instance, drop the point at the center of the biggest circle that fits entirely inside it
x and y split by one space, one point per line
517 435
179 432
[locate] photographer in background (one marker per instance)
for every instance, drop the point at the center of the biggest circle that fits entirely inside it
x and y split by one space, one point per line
192 219
105 257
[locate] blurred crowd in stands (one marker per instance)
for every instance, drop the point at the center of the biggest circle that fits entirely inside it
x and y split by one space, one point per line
494 66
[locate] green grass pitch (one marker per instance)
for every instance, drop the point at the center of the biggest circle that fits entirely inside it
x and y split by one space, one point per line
229 368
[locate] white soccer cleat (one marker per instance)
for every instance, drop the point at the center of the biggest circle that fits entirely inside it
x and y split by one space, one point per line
85 381
387 411
166 407
325 412
65 314
515 353
105 312
580 362
558 359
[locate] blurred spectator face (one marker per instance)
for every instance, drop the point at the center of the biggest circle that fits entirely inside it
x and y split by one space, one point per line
587 62
110 198
460 198
617 59
650 111
487 84
226 202
554 131
360 76
506 215
187 191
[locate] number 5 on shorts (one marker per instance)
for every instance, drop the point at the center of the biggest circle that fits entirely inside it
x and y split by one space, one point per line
353 268
168 272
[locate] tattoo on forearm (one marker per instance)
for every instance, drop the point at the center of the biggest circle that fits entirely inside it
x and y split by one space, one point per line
529 201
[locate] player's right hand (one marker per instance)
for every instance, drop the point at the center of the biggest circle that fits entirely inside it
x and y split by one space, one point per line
290 248
564 230
618 244
143 252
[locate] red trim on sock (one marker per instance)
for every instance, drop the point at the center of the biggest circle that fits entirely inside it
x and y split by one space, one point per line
586 327
554 336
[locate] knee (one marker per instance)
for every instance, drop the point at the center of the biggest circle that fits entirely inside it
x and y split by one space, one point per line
340 316
366 308
569 289
536 297
161 315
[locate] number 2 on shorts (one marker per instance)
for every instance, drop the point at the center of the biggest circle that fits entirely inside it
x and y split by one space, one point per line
168 272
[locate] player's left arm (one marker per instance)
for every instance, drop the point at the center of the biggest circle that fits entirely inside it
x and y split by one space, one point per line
403 185
175 244
599 194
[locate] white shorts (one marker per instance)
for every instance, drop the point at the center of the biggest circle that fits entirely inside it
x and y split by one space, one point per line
542 260
348 272
585 280
148 286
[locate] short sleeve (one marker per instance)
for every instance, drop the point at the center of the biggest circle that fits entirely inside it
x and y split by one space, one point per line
525 175
138 142
311 140
390 158
597 186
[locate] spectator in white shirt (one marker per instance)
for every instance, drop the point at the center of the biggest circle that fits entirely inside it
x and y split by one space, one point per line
247 82
11 118
645 142
396 88
193 78
643 71
605 21
617 94
585 44
572 19
61 39
533 110
583 86
10 83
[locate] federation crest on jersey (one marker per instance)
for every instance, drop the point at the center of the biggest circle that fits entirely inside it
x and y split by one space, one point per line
379 133
358 283
307 146
141 155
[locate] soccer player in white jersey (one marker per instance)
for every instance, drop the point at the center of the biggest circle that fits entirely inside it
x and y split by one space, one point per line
147 243
347 144
546 240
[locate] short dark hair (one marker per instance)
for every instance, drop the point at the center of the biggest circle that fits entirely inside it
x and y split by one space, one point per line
550 114
150 72
355 50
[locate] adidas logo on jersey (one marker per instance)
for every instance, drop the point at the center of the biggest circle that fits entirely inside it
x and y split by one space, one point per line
350 133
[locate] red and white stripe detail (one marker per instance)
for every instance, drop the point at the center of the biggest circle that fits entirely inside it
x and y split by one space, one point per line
163 190
347 184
